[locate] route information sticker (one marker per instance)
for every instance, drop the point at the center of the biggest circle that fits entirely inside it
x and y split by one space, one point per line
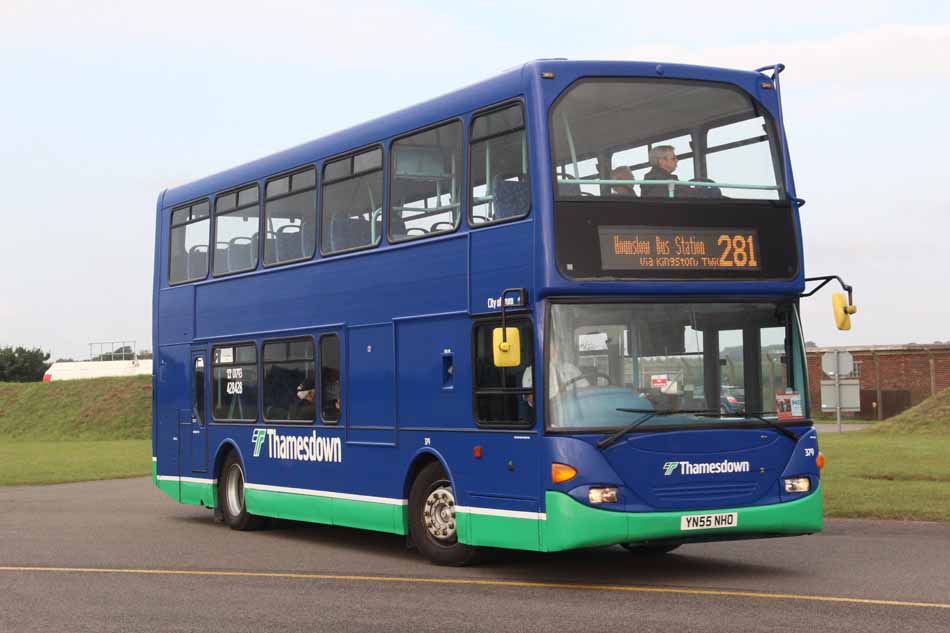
789 405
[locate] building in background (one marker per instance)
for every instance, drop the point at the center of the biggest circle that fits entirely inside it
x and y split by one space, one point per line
893 377
72 370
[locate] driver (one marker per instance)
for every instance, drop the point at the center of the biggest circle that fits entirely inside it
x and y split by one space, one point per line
563 375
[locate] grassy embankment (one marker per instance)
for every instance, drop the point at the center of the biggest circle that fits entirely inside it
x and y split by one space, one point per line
75 430
898 469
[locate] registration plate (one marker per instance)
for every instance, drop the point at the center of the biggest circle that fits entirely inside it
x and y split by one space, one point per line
709 521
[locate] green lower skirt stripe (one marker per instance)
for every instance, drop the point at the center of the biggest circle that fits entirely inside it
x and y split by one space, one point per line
368 515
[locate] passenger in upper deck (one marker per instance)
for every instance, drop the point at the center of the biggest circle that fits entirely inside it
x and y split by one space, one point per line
622 173
663 160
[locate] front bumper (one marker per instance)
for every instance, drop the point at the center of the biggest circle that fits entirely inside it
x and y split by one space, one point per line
569 524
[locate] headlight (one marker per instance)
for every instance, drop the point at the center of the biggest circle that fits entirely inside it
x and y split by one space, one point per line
797 484
602 495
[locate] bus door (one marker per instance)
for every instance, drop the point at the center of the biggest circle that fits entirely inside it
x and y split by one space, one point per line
197 431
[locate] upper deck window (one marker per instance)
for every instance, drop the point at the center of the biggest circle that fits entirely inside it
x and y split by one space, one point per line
426 183
290 217
188 253
352 215
663 139
236 218
501 189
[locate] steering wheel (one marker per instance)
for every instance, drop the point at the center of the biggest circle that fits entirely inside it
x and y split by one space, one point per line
578 378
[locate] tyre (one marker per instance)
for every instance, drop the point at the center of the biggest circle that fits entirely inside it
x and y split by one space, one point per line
231 496
650 549
432 524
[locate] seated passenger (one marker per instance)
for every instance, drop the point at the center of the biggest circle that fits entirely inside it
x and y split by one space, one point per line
330 395
622 173
663 160
306 407
704 192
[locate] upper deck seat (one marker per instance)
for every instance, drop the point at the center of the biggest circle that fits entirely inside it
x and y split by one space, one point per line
569 189
346 233
240 254
198 261
178 267
220 258
289 242
511 198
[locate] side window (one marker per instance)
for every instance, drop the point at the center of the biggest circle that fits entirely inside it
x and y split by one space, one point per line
290 217
234 383
331 392
188 243
742 153
199 389
504 396
500 186
352 208
235 230
289 390
426 180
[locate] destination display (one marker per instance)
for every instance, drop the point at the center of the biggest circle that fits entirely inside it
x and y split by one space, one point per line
646 248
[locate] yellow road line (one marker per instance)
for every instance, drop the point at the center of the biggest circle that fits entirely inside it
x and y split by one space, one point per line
481 582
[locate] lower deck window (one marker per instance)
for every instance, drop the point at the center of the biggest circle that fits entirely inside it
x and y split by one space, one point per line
234 383
331 392
504 396
289 392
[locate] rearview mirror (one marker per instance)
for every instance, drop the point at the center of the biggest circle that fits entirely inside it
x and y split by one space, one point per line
506 345
842 310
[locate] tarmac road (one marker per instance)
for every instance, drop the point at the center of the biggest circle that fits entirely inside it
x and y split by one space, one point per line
120 556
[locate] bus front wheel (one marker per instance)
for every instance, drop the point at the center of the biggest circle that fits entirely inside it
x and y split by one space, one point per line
231 496
432 524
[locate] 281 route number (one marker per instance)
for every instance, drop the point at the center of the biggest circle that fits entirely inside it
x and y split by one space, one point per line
738 251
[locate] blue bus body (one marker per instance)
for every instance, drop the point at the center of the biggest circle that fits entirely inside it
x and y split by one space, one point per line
404 315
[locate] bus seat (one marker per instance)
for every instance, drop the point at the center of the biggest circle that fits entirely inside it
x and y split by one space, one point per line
397 227
178 268
289 242
348 233
511 198
569 189
220 258
240 255
198 261
270 247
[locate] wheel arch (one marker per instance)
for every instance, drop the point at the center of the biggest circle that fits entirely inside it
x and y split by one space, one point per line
420 460
225 448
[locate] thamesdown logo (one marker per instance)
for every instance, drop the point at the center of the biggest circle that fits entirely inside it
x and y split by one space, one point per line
705 468
258 437
302 448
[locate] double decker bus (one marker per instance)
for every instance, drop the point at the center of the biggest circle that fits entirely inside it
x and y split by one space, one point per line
551 310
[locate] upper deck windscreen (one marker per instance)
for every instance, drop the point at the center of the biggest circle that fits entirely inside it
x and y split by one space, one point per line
663 139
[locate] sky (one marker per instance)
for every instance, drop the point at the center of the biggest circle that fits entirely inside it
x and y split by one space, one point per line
104 104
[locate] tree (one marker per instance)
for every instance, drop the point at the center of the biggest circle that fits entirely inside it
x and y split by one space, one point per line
143 354
23 365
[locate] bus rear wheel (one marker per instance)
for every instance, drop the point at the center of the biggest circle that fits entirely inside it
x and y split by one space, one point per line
432 524
231 497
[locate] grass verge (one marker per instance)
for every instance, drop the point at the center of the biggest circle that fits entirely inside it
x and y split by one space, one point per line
24 463
886 476
92 409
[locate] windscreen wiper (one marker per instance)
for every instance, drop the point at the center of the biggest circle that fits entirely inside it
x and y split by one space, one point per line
757 415
649 414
